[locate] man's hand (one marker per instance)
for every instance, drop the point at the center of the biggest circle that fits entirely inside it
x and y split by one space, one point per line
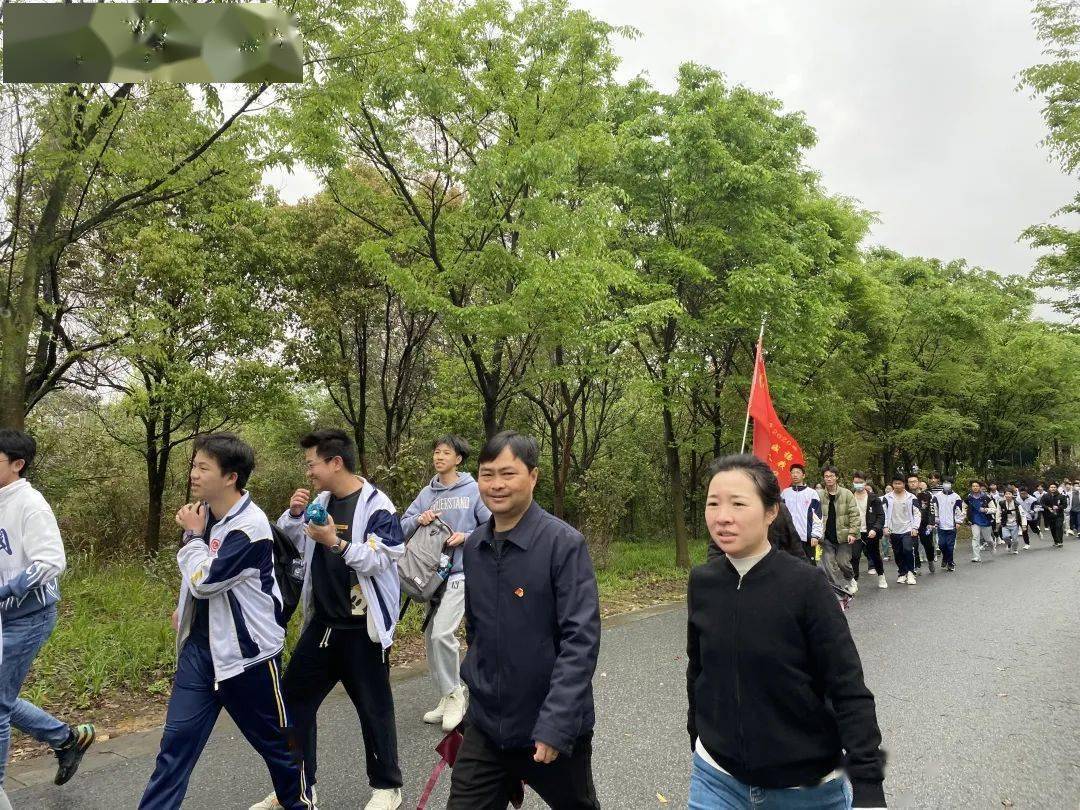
456 539
914 532
192 516
851 539
545 754
813 542
872 534
427 517
299 501
325 535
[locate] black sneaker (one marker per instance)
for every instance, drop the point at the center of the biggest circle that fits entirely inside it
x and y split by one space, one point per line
70 754
952 567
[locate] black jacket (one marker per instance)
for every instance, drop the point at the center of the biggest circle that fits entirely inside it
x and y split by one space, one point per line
782 536
927 510
532 622
1050 501
875 515
774 680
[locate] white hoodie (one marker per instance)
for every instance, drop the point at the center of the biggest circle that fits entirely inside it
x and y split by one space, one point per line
31 551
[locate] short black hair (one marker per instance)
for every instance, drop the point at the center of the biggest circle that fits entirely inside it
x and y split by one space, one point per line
898 477
913 475
936 474
768 488
797 466
455 443
232 454
330 443
521 447
16 445
858 474
832 469
975 481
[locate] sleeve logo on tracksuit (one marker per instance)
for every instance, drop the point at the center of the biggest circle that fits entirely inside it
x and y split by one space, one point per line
5 541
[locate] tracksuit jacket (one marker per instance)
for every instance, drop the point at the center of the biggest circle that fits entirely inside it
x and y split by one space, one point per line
233 569
376 544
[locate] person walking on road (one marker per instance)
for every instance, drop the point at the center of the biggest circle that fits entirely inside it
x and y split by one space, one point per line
1074 508
950 512
927 522
1054 505
453 498
1012 518
805 507
902 518
779 715
982 515
871 528
532 622
841 521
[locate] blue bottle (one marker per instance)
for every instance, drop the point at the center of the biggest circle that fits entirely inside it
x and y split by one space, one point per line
316 513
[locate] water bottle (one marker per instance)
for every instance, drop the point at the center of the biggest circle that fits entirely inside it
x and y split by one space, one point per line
316 513
445 564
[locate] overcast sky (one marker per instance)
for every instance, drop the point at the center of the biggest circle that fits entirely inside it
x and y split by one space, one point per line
914 103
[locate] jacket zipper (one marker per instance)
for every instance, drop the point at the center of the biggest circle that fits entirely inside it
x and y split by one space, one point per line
738 679
498 635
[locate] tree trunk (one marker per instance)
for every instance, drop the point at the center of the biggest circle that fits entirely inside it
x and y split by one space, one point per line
678 503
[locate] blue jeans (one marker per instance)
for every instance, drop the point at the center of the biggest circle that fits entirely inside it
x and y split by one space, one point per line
23 638
712 790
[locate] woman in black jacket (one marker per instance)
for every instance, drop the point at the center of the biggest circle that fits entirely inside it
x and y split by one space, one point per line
774 681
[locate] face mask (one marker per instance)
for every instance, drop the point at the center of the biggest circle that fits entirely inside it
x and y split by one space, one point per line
946 487
858 487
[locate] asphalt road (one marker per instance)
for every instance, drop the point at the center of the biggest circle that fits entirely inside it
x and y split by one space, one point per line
975 675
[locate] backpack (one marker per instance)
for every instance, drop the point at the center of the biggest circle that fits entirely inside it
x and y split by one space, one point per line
421 569
289 572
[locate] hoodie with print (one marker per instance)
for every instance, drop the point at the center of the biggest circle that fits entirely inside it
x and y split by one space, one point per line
458 505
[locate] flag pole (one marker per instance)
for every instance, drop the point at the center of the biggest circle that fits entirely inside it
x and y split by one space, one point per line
753 383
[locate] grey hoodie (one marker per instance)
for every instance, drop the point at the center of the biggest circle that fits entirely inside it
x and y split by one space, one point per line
459 506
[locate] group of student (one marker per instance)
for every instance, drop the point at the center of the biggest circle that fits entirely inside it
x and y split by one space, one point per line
916 519
778 715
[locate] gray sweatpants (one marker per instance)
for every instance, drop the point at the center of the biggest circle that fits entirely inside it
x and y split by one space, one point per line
980 534
442 643
836 560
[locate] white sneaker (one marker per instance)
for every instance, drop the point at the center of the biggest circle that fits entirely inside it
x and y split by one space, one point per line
456 704
384 799
910 579
853 587
436 714
883 581
271 802
872 572
900 580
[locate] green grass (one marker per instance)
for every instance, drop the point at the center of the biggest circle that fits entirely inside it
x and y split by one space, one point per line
114 634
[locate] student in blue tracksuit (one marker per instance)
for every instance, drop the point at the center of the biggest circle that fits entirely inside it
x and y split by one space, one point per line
229 631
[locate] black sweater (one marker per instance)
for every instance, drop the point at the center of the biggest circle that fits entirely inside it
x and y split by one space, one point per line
774 681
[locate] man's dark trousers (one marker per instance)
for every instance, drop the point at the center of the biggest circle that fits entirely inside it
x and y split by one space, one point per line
254 701
486 777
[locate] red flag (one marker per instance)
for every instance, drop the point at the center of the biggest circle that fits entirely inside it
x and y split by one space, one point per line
772 443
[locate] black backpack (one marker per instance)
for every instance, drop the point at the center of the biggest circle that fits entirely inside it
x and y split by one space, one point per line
289 572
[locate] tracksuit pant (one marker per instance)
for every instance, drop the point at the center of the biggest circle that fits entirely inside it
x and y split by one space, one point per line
441 640
926 539
486 777
947 543
324 657
254 701
903 547
1057 530
872 550
836 560
980 536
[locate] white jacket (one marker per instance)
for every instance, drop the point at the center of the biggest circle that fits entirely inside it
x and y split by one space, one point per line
948 504
31 551
233 569
890 499
375 546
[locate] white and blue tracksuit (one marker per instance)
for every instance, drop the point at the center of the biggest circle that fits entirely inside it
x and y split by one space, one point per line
228 652
804 504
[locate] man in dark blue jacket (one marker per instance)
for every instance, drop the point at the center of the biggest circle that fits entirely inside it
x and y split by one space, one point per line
532 622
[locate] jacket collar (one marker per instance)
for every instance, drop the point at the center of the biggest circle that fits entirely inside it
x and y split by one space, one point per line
238 507
522 534
764 561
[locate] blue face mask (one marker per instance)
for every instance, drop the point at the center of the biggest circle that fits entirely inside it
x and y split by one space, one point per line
855 485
